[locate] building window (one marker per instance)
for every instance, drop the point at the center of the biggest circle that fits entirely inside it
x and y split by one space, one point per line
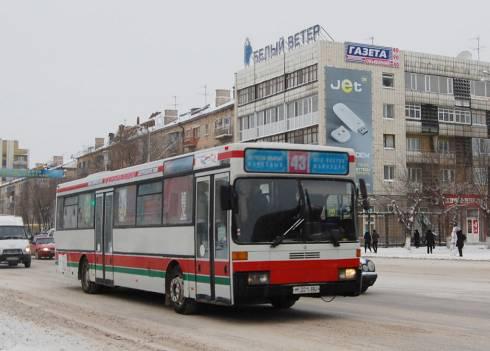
478 118
388 80
206 129
480 176
388 111
478 88
413 144
389 173
443 146
411 81
413 111
447 175
427 83
389 141
415 175
454 115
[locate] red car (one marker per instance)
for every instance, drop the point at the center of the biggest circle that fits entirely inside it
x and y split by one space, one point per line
43 246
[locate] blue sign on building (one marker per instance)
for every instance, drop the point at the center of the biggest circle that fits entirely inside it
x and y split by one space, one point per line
371 54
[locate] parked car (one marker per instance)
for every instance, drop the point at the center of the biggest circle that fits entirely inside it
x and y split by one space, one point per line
43 246
14 244
369 274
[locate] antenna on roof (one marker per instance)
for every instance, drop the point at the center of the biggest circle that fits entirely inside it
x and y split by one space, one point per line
205 87
175 102
478 47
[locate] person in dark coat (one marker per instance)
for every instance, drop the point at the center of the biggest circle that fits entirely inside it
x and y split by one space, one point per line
416 238
375 238
367 241
429 240
460 239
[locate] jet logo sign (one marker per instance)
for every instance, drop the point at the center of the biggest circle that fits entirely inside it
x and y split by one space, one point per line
348 86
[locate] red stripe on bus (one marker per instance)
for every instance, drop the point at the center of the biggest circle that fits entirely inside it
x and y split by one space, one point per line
298 271
230 154
120 177
72 187
160 168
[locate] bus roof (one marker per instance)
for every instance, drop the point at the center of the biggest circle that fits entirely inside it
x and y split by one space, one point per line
192 161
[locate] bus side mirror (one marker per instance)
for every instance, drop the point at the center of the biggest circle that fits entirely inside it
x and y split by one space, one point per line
364 195
227 197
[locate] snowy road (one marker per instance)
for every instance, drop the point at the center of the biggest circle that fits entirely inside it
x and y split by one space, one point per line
425 305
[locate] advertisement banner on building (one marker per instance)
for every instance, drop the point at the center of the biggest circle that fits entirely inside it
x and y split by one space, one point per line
372 55
349 116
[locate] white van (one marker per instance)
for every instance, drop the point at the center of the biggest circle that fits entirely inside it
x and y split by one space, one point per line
14 246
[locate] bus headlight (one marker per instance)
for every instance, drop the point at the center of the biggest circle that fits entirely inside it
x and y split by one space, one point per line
27 249
347 273
258 278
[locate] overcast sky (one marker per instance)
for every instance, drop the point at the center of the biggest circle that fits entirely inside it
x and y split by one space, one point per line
71 71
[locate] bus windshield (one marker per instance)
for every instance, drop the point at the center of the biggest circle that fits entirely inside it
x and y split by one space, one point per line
295 210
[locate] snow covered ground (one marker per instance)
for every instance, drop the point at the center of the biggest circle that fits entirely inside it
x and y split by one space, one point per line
470 252
17 335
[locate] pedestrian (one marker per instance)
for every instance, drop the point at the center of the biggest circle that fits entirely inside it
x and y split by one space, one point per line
460 239
452 248
416 238
429 240
375 240
367 241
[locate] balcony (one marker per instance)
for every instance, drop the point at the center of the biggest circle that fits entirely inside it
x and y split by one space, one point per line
272 128
190 141
223 132
431 157
303 121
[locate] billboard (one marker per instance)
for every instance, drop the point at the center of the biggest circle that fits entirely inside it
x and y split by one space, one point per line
349 116
371 54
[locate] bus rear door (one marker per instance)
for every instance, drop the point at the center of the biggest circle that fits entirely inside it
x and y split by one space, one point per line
104 270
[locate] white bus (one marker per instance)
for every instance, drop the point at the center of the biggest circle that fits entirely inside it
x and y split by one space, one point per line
242 223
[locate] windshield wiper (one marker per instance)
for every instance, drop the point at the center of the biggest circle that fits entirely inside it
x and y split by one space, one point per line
280 238
9 237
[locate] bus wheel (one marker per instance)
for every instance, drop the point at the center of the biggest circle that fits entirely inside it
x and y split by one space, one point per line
180 303
87 286
283 302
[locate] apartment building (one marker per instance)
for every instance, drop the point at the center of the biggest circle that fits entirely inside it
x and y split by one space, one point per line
163 135
11 156
397 109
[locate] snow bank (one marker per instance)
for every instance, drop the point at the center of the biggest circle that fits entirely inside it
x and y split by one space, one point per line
470 252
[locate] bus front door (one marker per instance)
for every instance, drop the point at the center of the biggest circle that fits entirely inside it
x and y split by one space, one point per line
104 269
212 241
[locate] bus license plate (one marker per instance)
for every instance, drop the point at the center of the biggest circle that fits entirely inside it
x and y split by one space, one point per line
309 289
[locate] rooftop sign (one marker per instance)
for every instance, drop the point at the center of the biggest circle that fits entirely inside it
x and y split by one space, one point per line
304 37
371 54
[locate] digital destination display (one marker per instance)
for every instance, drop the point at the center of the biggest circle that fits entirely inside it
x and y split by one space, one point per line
296 161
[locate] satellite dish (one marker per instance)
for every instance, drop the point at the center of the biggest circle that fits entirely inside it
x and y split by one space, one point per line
464 55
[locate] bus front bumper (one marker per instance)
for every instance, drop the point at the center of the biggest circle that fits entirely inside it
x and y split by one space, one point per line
245 293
